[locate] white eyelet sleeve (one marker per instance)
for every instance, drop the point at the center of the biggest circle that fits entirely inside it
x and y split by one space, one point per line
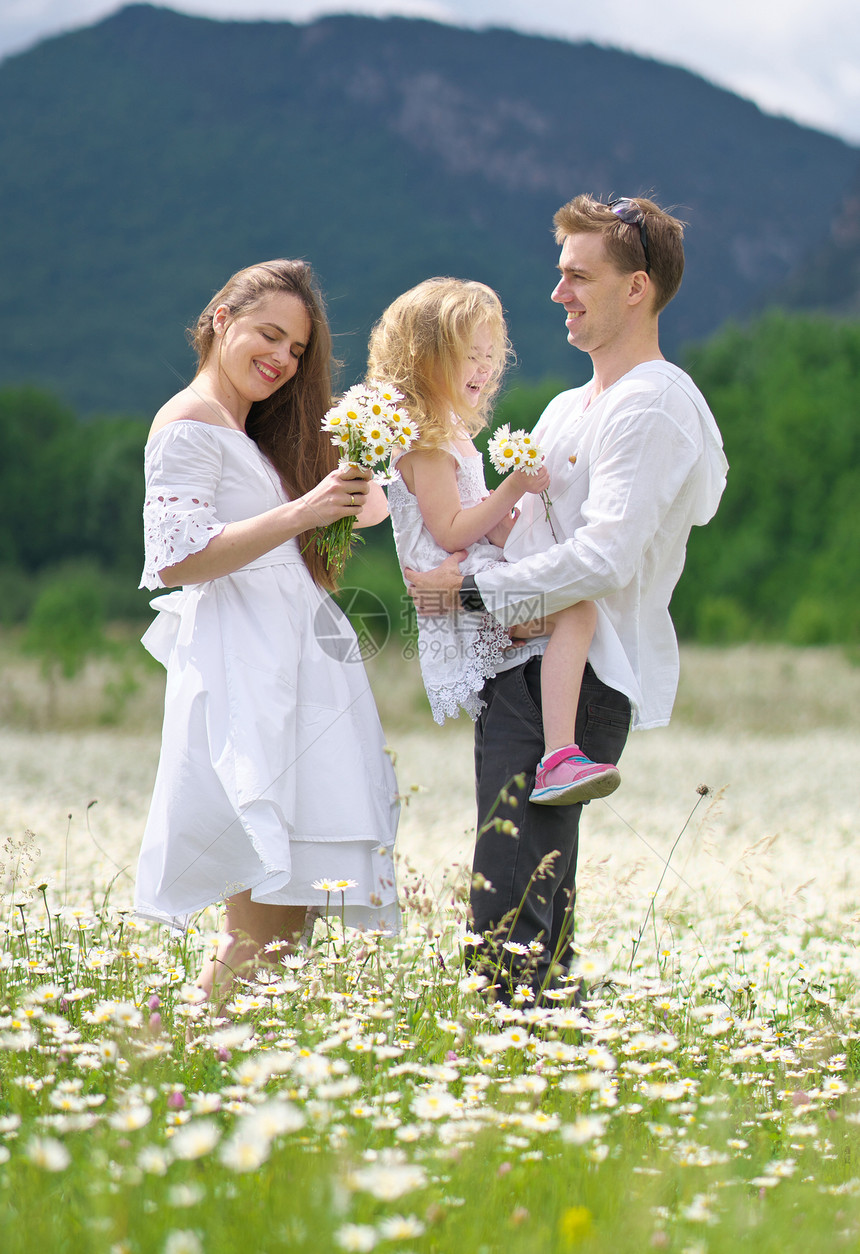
183 470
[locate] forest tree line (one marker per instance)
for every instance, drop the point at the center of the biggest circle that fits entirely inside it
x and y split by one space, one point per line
781 561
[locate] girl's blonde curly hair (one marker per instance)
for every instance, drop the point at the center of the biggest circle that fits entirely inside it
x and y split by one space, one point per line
420 345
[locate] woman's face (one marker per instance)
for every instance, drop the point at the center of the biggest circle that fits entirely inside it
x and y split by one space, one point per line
477 368
259 351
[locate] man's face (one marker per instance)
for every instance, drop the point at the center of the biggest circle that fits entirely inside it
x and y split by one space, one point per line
595 295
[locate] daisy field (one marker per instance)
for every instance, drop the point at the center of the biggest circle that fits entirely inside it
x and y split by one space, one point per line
364 1093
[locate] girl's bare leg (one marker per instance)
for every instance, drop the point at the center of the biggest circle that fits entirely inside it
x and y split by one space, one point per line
565 775
249 926
571 631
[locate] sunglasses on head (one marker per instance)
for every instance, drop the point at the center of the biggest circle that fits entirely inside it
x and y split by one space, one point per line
628 211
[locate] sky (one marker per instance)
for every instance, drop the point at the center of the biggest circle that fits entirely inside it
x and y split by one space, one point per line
799 58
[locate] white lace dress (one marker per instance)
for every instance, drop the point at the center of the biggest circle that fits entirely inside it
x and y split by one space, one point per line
457 652
272 772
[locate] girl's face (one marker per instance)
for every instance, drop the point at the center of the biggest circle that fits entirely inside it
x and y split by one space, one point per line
259 351
472 376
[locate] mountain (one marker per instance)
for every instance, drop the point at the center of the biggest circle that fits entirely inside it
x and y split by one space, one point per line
145 158
828 280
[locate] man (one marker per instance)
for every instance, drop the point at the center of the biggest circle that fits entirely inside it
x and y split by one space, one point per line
635 461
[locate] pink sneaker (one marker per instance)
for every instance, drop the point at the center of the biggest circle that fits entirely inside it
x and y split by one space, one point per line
568 776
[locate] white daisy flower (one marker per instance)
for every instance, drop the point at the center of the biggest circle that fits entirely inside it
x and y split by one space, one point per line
195 1139
47 1153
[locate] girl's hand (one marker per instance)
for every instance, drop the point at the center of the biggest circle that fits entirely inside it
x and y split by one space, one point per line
340 495
498 535
375 507
537 482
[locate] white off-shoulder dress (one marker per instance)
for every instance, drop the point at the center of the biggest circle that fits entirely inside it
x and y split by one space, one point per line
457 652
272 772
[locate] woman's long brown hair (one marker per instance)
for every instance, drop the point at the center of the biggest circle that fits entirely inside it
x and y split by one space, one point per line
286 426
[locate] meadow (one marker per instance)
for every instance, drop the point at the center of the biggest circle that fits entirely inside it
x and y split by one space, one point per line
363 1093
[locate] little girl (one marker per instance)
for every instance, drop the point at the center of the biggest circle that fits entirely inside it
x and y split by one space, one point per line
444 345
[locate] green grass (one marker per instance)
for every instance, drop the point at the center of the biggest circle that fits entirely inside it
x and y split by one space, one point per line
704 1100
366 1096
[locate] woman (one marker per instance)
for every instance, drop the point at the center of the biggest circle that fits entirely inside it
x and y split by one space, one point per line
272 772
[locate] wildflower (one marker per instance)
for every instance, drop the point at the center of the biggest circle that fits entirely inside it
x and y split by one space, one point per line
153 1161
191 995
205 1103
599 1058
526 1084
131 1117
67 1101
275 1118
575 1224
195 1139
233 1035
126 1015
508 450
389 1181
252 1072
48 1154
45 994
183 1196
243 1153
356 1237
183 1241
293 962
765 1182
585 1129
690 1155
434 1103
401 1228
78 994
570 1017
474 983
700 1210
783 1169
665 1042
367 428
339 1088
540 1121
503 450
669 1092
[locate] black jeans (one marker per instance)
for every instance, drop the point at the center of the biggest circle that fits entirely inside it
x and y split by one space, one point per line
532 873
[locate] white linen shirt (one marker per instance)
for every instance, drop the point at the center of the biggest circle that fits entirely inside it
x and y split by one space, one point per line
631 472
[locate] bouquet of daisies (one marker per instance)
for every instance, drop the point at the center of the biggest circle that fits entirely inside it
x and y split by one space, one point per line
517 450
371 428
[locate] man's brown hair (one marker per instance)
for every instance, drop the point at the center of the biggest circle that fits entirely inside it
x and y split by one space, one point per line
665 260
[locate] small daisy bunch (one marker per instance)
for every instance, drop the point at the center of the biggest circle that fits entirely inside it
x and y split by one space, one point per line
514 450
370 427
517 450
